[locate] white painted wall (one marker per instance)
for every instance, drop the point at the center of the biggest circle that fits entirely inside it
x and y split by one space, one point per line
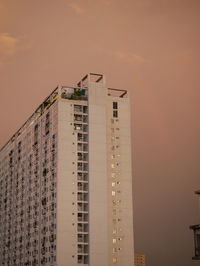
98 216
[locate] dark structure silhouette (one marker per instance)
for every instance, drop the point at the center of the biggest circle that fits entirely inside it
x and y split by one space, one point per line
196 230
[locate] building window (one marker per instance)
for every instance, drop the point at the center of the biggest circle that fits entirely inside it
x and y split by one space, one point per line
114 231
114 212
115 113
114 260
113 193
77 108
113 184
114 202
115 106
114 240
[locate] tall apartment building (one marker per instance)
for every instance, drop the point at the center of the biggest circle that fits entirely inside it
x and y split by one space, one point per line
66 181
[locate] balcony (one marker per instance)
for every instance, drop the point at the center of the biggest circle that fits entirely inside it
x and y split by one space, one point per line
82 228
82 176
83 259
82 249
80 118
82 147
82 167
80 127
82 217
82 238
82 197
82 156
82 137
82 207
80 109
82 186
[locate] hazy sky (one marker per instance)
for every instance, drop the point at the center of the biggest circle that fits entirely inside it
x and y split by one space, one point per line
151 48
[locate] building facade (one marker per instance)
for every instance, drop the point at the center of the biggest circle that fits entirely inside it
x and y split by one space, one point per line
66 181
139 259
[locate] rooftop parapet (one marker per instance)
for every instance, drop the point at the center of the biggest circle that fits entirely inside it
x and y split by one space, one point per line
91 77
100 79
117 93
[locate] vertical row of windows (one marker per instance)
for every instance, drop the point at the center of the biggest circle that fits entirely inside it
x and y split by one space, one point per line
81 129
116 191
48 192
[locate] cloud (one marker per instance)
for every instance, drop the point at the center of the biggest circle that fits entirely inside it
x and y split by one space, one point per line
130 58
8 45
123 56
76 8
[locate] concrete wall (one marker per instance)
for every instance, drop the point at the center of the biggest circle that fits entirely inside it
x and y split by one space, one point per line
98 217
120 215
66 232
